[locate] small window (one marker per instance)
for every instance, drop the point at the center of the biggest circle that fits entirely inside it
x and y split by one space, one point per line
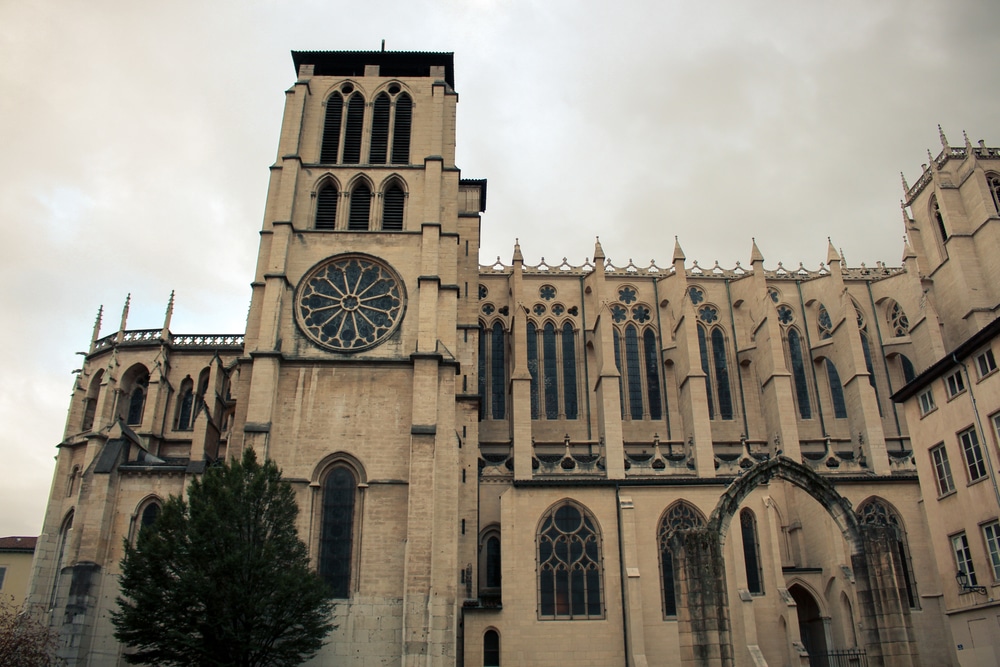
137 401
993 182
939 219
986 363
963 557
751 552
491 649
991 533
973 454
926 402
326 207
393 202
955 384
3 575
942 470
361 204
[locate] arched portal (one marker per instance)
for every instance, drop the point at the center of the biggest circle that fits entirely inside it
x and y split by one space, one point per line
812 629
700 570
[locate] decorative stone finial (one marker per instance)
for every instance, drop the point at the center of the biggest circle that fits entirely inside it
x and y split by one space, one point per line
128 300
678 253
944 139
831 253
755 254
598 250
97 323
930 157
908 253
170 312
906 186
968 144
518 257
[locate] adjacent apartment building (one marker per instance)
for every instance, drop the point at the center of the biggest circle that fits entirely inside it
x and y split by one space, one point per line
514 464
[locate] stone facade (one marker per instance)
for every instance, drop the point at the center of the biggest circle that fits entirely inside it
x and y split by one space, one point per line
535 465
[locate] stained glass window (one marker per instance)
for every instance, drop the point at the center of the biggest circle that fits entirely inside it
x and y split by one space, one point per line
697 296
137 401
547 292
633 366
680 516
708 314
337 531
627 295
482 372
569 370
569 564
498 368
899 324
799 374
185 405
652 359
866 349
825 325
618 313
703 348
618 365
722 374
640 314
551 371
909 373
533 366
751 551
836 391
875 511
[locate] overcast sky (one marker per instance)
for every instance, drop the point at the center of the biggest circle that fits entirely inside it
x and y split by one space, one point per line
137 138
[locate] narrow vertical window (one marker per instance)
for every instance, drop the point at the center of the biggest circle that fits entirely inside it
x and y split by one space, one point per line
991 533
993 183
137 401
380 130
533 366
491 649
652 363
331 129
392 207
550 371
799 374
90 402
352 129
482 372
680 516
337 531
703 349
867 350
909 373
939 219
836 391
963 557
569 370
973 454
361 203
185 405
569 564
493 562
61 556
751 552
618 364
722 374
942 470
401 130
634 372
498 368
326 207
875 511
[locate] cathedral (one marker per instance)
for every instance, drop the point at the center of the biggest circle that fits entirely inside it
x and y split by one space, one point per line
509 464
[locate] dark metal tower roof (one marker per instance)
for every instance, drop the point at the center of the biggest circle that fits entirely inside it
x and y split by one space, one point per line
391 63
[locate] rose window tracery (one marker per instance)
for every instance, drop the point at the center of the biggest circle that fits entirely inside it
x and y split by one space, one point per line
350 303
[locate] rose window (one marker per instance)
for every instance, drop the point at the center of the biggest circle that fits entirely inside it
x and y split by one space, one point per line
350 303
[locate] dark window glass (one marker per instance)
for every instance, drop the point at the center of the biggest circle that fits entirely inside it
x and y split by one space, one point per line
866 348
722 374
533 367
909 373
137 401
401 130
89 411
392 208
799 374
634 368
493 562
185 408
836 391
337 531
876 512
352 129
681 516
703 348
326 208
498 388
652 359
751 552
569 564
618 365
482 372
149 515
331 129
491 649
569 370
361 203
939 219
551 372
380 130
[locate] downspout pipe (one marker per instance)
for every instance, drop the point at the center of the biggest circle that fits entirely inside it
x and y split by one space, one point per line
979 425
621 571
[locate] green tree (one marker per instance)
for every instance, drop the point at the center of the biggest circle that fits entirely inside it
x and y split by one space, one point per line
223 579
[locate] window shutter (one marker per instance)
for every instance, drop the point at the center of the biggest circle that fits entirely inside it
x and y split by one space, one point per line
361 203
380 130
401 130
326 208
352 132
331 129
392 208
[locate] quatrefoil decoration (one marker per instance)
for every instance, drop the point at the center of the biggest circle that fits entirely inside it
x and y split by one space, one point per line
350 303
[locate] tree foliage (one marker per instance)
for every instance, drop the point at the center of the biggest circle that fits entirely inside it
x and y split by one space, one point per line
223 579
25 640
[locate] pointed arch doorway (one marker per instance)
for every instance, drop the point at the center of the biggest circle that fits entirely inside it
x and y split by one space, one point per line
812 625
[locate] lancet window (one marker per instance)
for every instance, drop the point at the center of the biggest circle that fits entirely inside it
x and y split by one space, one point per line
993 183
715 365
569 564
836 391
876 511
751 551
361 204
344 120
393 206
336 538
493 371
637 358
185 405
795 356
326 206
552 364
679 516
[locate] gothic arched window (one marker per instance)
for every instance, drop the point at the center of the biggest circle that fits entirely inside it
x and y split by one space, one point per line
380 129
569 370
899 324
497 369
938 219
401 130
361 204
836 391
651 357
751 551
638 367
876 511
336 538
330 148
393 204
491 649
185 405
715 365
353 129
993 183
799 374
90 402
679 516
326 206
633 372
569 564
909 373
137 398
532 345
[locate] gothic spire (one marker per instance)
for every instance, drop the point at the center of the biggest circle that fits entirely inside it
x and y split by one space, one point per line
97 323
755 254
518 257
678 253
944 139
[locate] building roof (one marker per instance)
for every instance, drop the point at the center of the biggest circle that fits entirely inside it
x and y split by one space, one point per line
15 543
948 361
391 63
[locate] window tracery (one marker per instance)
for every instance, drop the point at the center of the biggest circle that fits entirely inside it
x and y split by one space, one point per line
679 516
876 511
715 364
569 564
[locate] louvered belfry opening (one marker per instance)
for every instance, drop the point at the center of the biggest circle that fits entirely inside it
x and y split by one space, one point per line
331 129
401 130
392 207
380 130
326 208
361 204
353 129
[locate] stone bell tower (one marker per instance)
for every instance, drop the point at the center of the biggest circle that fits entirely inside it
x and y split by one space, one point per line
361 339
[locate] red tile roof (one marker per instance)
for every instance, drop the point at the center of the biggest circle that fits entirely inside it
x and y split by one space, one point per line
18 543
